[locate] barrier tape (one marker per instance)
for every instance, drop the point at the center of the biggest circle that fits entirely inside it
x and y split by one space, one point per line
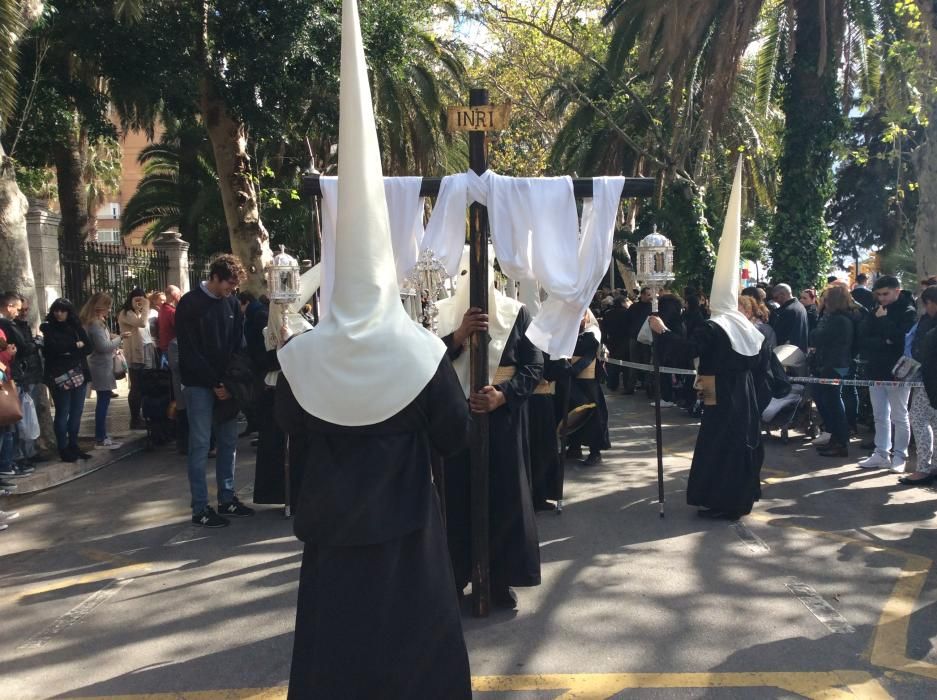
793 380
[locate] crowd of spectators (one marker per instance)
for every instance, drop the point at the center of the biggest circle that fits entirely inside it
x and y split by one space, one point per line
846 333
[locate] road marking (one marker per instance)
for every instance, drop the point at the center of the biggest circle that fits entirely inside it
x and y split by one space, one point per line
93 577
76 614
187 534
820 608
751 540
831 685
890 639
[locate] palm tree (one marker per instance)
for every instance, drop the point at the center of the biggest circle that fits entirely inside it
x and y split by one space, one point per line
682 45
179 190
410 102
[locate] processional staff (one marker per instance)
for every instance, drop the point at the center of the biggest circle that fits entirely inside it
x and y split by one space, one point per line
655 270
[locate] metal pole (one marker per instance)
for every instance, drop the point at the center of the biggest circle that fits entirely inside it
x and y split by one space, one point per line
478 292
655 352
287 509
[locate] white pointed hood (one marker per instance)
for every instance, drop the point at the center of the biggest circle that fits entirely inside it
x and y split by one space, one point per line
366 360
502 314
724 298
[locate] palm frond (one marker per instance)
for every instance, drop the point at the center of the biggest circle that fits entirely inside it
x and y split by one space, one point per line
12 29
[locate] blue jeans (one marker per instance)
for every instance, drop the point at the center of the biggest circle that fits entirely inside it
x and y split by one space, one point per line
832 409
6 446
100 415
69 403
200 404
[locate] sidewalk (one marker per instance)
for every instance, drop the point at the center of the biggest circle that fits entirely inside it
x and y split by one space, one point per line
53 473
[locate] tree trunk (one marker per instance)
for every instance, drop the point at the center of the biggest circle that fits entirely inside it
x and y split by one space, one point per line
16 270
69 156
800 243
925 164
925 228
249 239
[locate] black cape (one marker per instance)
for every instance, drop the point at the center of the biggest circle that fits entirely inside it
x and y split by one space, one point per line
546 467
513 546
377 615
594 434
726 471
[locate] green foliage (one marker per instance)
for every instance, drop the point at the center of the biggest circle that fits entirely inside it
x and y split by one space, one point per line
11 31
800 244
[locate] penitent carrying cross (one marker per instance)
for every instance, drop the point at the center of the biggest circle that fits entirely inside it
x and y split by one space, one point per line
478 119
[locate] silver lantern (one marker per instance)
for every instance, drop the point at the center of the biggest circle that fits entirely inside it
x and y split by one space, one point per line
423 287
283 278
655 263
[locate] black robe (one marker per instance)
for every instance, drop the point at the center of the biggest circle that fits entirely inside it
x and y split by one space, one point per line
377 615
546 467
726 471
513 546
594 434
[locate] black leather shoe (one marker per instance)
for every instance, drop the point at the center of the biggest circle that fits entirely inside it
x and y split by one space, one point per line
711 514
833 450
574 452
923 481
593 459
504 598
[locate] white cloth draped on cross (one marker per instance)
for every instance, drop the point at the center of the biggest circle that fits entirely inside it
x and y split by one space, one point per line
535 229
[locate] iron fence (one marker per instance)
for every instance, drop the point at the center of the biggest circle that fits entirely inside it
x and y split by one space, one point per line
198 269
115 269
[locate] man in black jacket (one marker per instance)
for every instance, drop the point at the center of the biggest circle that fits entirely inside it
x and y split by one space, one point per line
615 330
790 322
881 344
210 331
638 352
862 294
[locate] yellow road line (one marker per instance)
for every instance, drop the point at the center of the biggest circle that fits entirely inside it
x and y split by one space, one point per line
832 685
890 640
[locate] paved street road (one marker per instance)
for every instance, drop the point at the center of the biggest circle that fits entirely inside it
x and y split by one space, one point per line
827 591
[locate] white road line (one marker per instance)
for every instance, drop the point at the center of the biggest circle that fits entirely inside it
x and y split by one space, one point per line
751 540
821 610
187 534
76 614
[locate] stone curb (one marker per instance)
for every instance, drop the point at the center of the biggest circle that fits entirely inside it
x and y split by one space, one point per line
51 474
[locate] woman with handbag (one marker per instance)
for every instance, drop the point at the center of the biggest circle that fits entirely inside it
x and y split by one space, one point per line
138 348
66 347
101 362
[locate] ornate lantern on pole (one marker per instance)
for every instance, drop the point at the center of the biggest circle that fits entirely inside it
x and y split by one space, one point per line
655 263
655 270
283 278
425 284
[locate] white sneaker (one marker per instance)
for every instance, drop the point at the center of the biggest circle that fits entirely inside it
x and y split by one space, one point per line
898 464
6 515
822 439
108 444
875 461
3 526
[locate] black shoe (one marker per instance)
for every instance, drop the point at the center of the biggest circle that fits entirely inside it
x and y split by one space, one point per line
593 459
923 481
712 514
833 450
67 455
23 470
504 598
82 455
543 506
574 452
8 471
7 486
138 424
235 509
209 518
255 442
